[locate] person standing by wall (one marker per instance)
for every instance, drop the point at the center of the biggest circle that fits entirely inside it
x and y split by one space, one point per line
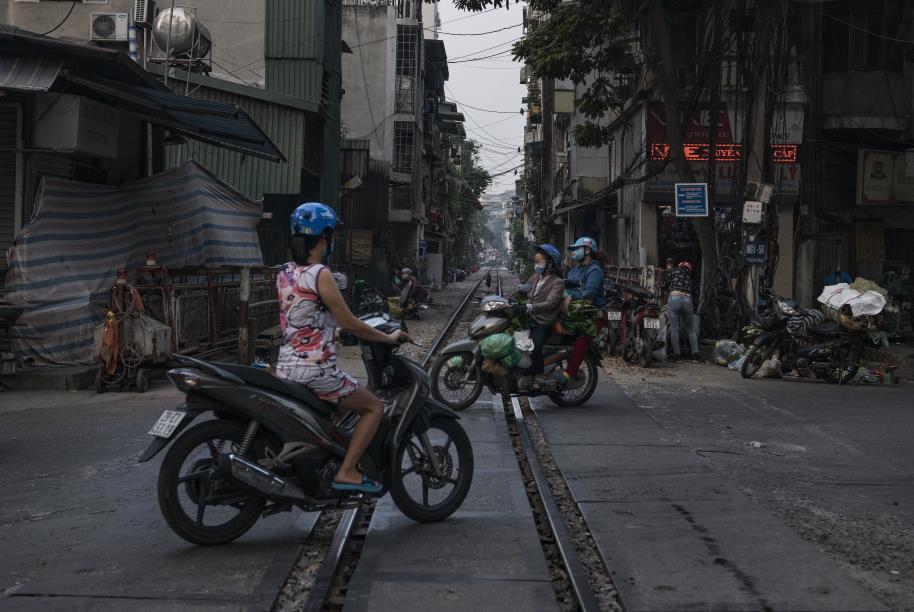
679 308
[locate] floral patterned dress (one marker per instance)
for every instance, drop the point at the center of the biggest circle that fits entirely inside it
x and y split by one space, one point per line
308 352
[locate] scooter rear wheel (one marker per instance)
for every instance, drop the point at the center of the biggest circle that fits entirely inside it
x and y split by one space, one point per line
186 496
572 398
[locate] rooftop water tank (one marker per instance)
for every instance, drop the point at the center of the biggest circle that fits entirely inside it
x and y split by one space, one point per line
181 34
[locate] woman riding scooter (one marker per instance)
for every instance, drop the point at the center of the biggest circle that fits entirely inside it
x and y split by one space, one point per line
311 309
584 282
545 298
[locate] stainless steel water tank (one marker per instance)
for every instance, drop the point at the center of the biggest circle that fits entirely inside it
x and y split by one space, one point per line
188 36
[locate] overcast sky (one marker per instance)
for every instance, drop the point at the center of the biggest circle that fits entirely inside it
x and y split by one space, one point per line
491 83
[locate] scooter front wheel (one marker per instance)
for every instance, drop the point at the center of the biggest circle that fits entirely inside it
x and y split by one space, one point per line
421 492
755 359
454 383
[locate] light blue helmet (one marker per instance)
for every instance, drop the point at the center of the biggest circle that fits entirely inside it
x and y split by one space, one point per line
584 241
312 218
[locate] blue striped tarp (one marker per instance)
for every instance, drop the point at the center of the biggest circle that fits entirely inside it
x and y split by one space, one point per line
64 261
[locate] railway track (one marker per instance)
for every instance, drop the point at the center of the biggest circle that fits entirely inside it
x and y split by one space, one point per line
337 536
581 577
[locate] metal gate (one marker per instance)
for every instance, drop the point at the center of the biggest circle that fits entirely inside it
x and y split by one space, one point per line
834 247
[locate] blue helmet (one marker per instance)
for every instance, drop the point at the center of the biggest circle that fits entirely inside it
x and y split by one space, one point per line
312 218
584 241
550 251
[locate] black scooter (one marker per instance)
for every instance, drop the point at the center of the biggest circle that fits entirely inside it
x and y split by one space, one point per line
274 445
830 351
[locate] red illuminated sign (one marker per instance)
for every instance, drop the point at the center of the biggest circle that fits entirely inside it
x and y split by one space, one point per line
725 152
784 153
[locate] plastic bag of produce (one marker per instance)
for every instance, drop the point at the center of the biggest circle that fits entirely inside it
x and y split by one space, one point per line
771 368
726 352
863 285
523 340
511 359
497 346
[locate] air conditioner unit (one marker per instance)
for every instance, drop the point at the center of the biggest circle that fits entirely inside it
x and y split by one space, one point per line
108 26
144 13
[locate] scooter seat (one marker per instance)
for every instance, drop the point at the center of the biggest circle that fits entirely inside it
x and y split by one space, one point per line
259 377
827 328
557 340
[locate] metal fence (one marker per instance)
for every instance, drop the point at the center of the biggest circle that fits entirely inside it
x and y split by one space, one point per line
201 305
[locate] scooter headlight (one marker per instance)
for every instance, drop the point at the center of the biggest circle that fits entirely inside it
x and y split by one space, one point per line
185 380
787 309
492 305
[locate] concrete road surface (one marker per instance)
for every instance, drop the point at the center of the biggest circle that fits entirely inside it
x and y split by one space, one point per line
80 527
707 491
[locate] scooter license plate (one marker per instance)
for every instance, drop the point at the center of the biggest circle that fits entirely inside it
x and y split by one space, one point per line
651 323
614 315
167 423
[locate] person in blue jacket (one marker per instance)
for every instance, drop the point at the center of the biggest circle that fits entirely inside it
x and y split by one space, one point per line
584 282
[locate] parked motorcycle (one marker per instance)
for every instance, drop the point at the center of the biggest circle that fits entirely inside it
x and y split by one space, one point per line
460 372
830 351
610 337
367 299
273 445
640 331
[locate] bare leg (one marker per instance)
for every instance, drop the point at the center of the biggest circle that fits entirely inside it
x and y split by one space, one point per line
369 408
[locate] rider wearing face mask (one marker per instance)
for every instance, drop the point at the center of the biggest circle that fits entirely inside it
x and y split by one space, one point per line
584 282
545 298
311 309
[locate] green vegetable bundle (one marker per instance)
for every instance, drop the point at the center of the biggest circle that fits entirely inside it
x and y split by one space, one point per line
579 320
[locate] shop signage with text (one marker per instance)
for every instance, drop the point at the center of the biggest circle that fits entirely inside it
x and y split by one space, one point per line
882 178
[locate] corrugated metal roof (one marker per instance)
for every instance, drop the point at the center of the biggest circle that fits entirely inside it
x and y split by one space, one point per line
246 91
223 124
28 74
79 58
253 177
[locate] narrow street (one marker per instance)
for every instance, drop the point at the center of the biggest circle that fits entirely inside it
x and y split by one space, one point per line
700 489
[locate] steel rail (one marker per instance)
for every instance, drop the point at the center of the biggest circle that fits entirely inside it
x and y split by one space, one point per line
577 575
446 330
326 573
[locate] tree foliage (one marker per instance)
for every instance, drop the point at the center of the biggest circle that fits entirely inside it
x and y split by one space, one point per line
465 184
582 40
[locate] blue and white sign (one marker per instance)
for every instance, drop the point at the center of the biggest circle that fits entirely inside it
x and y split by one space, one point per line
691 199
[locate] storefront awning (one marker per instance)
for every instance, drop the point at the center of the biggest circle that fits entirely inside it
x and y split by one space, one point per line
28 74
33 63
217 123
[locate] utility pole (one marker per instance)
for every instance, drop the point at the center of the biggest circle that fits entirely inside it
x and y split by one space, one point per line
548 110
755 166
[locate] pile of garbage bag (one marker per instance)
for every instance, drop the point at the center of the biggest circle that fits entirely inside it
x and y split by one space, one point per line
860 305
